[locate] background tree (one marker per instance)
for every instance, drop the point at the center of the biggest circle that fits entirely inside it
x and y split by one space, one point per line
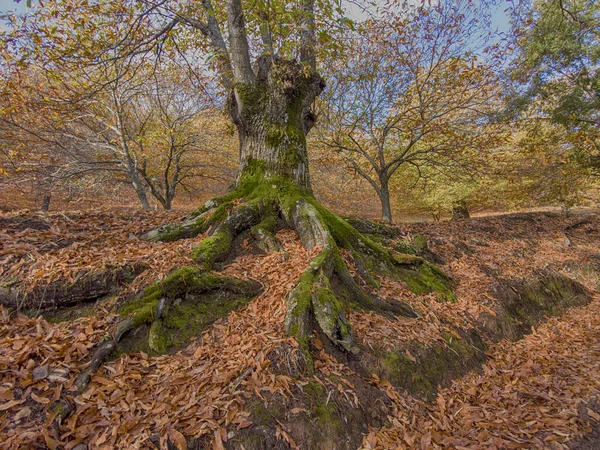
558 69
414 91
139 126
547 170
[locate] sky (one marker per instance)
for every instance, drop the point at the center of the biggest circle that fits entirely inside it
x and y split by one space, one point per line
12 6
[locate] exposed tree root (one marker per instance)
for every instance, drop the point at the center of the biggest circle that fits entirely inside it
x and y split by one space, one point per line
185 295
327 289
322 296
313 296
191 226
86 287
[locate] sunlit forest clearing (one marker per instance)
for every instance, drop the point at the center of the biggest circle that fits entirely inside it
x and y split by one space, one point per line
299 224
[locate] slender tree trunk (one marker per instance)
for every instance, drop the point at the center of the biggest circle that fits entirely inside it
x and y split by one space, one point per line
460 210
137 186
384 196
141 194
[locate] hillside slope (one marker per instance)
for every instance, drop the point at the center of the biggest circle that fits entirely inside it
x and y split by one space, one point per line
507 361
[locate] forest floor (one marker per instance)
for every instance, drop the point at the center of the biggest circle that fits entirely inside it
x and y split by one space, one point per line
538 388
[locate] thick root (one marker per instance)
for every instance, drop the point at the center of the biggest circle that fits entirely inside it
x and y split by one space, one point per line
263 234
218 246
185 284
319 301
87 287
194 224
179 307
313 300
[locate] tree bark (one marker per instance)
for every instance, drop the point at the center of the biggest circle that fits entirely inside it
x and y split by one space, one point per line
460 210
386 208
273 115
141 194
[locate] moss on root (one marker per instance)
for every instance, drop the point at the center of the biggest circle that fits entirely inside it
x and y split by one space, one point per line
158 339
187 319
428 366
329 313
427 278
214 248
263 234
191 299
526 303
260 197
323 411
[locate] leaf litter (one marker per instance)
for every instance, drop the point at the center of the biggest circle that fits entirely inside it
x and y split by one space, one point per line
528 395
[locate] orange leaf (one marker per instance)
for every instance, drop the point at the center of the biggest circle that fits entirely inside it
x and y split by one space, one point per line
10 404
40 399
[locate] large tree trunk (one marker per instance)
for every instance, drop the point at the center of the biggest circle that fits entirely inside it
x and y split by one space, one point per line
273 115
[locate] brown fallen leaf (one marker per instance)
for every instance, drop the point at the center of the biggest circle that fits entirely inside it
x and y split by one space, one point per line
6 394
40 399
218 442
244 424
41 372
8 405
177 439
23 412
593 415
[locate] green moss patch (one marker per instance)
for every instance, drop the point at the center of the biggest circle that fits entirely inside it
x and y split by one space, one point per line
426 278
192 298
421 368
527 303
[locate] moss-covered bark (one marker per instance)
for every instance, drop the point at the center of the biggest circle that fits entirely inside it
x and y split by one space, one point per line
168 313
184 303
264 200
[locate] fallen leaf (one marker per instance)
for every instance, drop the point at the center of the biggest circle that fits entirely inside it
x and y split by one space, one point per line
177 439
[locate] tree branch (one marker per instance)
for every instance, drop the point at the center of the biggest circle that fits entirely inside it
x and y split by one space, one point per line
240 51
